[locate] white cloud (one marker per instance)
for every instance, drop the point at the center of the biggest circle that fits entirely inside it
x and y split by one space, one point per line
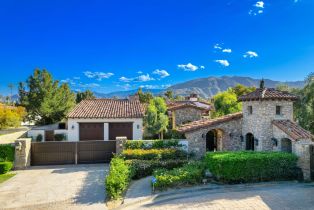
227 50
223 62
202 67
188 67
258 8
217 46
155 86
144 78
98 75
250 54
140 72
69 81
259 4
125 79
88 85
161 73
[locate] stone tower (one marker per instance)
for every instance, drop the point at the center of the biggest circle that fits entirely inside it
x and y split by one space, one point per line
260 108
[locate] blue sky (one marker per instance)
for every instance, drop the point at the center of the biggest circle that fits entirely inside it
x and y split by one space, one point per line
116 45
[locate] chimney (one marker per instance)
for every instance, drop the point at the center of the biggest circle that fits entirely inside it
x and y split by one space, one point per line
193 97
262 84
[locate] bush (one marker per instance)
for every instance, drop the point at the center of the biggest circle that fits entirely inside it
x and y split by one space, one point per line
6 152
11 116
118 179
152 144
60 137
5 167
191 173
134 144
154 154
39 138
238 167
143 168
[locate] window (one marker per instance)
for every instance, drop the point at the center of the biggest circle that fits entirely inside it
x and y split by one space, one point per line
278 110
250 109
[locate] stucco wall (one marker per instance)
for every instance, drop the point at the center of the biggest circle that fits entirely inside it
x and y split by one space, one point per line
259 123
73 127
34 133
186 115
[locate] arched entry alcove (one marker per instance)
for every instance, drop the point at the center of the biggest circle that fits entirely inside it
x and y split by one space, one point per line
249 141
211 140
286 145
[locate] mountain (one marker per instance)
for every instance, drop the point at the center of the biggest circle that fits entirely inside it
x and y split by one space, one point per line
208 87
205 87
125 94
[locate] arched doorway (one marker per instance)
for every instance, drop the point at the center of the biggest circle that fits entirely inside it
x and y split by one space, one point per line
211 140
249 141
286 145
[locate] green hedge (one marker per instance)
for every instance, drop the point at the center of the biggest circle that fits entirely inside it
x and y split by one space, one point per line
143 168
191 173
238 167
6 152
118 179
154 154
5 167
153 144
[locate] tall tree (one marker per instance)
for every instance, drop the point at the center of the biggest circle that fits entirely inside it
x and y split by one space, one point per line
156 120
240 89
80 96
11 86
45 100
144 97
169 94
226 103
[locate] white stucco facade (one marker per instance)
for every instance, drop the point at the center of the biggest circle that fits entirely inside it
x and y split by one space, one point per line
73 127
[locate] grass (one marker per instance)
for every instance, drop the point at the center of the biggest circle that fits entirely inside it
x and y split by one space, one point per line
5 177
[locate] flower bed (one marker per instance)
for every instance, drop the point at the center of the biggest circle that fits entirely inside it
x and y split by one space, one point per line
188 174
238 167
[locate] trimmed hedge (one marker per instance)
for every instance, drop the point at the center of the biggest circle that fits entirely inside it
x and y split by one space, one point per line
5 167
7 152
191 173
118 179
143 168
154 154
239 167
154 144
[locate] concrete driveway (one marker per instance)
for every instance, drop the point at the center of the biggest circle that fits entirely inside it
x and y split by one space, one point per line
56 187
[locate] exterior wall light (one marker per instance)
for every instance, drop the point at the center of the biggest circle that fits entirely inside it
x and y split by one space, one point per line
72 127
242 138
274 141
203 135
256 141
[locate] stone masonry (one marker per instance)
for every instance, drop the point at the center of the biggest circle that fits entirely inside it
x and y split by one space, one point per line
186 115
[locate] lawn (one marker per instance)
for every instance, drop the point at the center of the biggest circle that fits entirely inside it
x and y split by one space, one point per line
5 177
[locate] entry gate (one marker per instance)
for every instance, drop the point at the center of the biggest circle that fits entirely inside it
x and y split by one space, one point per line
54 153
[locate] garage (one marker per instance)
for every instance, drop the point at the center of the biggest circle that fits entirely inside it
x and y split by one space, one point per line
91 131
120 129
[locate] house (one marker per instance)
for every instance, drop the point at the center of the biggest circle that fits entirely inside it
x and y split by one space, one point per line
99 119
189 110
265 124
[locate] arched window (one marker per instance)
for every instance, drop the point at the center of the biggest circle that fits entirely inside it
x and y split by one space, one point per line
249 141
211 140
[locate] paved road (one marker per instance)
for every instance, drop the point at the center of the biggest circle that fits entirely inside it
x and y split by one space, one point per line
56 187
286 196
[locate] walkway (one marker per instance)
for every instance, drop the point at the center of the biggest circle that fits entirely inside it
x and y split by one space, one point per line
56 187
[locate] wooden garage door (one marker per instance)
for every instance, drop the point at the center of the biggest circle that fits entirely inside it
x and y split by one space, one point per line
91 131
120 129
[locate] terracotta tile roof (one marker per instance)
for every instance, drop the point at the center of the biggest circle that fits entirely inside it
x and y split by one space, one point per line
183 104
108 108
208 122
267 94
293 129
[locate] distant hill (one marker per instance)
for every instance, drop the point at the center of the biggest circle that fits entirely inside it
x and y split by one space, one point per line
205 87
210 86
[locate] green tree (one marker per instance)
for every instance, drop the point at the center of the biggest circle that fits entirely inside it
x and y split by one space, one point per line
169 94
45 100
144 97
240 90
80 96
156 120
226 103
304 107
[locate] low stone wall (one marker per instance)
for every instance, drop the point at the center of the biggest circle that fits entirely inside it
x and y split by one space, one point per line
22 153
302 150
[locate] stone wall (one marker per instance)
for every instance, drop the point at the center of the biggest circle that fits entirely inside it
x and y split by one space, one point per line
230 137
22 153
302 150
259 123
185 115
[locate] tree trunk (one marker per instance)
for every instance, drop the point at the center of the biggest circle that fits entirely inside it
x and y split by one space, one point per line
161 135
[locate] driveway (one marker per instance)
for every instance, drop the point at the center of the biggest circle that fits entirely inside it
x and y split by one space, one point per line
277 196
56 187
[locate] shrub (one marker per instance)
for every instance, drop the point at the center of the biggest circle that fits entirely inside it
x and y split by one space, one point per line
191 173
11 116
152 144
237 167
156 154
39 138
5 167
6 152
134 144
118 179
60 137
143 168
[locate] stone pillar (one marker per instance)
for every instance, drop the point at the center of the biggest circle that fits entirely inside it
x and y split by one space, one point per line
22 153
120 141
302 150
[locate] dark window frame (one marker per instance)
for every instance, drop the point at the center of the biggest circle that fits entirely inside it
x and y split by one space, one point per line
278 110
250 110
